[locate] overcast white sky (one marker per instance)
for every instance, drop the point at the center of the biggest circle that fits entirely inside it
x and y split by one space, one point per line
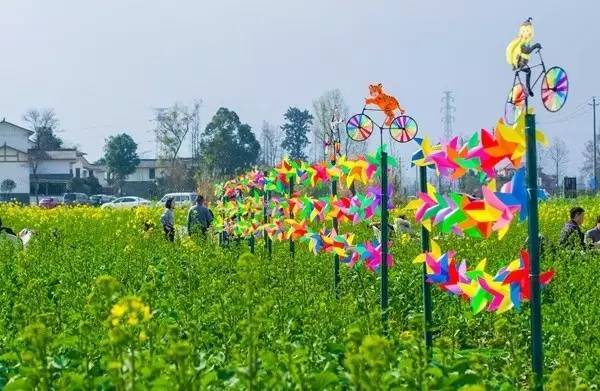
103 65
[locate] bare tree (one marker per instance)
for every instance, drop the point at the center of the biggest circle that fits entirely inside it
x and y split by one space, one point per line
44 124
323 111
588 158
270 144
173 124
558 155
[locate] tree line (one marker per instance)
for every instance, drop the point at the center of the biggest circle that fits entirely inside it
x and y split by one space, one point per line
227 146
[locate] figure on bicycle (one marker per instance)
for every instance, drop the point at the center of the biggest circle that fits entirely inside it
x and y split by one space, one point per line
519 50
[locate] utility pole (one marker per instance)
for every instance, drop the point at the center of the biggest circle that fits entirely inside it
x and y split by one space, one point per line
448 109
594 104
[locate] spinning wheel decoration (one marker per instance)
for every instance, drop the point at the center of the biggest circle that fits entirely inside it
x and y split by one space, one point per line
359 127
515 104
555 89
404 129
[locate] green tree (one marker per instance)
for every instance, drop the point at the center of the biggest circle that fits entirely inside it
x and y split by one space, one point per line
89 185
228 146
296 128
7 186
120 154
44 124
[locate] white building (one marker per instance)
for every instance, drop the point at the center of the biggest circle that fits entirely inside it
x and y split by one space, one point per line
143 181
47 172
14 161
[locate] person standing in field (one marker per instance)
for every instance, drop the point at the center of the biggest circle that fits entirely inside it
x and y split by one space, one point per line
571 235
199 218
168 219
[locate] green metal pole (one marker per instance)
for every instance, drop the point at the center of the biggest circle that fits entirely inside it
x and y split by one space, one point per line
425 247
336 258
265 220
384 242
292 249
537 349
269 241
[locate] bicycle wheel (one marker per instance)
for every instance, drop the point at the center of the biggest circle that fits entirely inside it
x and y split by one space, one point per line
359 127
515 103
403 129
555 89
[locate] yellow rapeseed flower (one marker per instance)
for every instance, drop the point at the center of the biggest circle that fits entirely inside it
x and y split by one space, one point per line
133 319
118 310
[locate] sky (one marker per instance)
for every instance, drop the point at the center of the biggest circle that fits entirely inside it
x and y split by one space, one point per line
104 65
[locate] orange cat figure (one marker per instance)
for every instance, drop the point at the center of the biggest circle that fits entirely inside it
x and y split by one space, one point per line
388 104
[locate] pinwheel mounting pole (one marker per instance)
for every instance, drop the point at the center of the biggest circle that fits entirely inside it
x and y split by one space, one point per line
402 129
537 347
426 247
266 199
334 143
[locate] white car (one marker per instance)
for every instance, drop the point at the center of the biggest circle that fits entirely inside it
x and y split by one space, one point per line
126 202
181 199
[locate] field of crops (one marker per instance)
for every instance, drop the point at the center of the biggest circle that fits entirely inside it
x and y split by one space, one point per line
98 302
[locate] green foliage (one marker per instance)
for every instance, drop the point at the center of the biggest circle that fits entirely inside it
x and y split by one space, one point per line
98 302
296 128
120 155
228 146
89 185
7 186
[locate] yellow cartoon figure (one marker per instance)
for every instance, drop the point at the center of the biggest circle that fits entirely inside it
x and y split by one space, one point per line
519 50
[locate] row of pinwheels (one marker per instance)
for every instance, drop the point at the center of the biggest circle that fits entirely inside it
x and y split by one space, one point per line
245 201
462 214
481 154
469 216
305 175
500 292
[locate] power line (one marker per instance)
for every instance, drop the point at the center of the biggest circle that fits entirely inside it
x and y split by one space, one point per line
594 104
578 112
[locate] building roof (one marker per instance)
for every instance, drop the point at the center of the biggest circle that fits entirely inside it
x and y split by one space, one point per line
61 154
13 148
4 121
161 163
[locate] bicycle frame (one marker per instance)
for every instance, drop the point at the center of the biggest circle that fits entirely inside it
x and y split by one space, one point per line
531 67
375 123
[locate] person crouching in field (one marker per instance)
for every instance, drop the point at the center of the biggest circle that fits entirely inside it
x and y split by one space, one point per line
592 237
199 218
168 219
571 236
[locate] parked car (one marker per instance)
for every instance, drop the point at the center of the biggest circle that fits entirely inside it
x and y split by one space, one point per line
126 202
181 199
101 199
48 203
75 199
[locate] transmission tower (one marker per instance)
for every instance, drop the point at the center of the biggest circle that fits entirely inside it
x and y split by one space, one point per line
448 111
195 130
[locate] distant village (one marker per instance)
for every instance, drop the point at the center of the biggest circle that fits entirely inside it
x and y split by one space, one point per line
55 170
